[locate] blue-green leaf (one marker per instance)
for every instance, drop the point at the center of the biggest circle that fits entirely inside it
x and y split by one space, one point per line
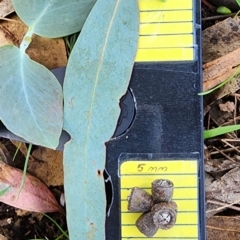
31 98
97 75
53 18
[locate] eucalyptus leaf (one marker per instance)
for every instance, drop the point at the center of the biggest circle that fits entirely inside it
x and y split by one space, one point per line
53 18
31 98
97 75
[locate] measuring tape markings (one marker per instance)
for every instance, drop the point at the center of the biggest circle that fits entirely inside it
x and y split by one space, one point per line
176 232
129 220
166 34
184 175
161 238
159 39
178 194
182 206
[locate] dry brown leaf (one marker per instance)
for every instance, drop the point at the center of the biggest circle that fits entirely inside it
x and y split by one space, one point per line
2 237
223 228
226 189
6 8
22 148
218 116
4 154
208 180
227 106
216 166
5 36
221 39
217 71
34 196
211 209
49 52
47 166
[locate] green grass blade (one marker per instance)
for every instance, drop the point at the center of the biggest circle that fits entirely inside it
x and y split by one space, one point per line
17 150
60 237
220 130
25 168
238 2
61 230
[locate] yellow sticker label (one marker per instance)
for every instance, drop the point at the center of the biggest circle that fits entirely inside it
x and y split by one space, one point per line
165 41
166 31
165 4
183 174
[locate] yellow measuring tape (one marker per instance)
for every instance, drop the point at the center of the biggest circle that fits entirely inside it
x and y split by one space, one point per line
166 31
166 34
183 174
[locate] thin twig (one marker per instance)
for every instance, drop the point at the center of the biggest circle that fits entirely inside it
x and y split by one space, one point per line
235 95
223 207
10 20
224 150
209 119
232 140
230 122
235 110
223 229
232 147
223 204
218 17
225 155
210 6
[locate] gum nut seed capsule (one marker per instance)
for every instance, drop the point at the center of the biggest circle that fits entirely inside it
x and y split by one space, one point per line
162 190
146 225
164 214
139 200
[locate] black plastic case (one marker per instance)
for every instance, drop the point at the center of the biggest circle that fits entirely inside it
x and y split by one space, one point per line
161 116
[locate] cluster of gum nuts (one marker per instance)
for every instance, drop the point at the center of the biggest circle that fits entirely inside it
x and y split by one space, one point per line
158 211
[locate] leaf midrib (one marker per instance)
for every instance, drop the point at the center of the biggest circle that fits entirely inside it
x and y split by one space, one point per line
38 19
97 77
26 95
94 93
